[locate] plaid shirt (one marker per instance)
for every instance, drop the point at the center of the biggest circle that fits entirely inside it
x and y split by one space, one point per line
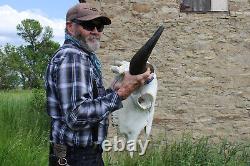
79 117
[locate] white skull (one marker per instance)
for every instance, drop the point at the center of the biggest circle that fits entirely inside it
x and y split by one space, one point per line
138 109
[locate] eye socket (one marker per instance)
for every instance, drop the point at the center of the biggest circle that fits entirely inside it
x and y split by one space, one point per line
145 101
140 100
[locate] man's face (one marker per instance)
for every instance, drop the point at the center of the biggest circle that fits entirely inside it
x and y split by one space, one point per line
88 33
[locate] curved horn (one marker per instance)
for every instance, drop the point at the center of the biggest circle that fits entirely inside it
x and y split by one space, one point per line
82 1
139 60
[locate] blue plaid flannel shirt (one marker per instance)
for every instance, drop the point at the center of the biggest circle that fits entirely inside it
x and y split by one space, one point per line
70 100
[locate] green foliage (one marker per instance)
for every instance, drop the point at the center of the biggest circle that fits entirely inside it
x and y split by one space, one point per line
38 101
29 30
186 152
23 131
24 127
24 66
9 78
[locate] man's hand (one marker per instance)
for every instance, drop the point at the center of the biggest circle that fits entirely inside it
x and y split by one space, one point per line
130 83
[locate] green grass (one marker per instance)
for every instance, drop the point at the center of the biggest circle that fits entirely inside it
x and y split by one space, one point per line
24 130
24 140
187 152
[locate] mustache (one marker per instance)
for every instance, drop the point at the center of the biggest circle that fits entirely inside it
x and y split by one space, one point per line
93 37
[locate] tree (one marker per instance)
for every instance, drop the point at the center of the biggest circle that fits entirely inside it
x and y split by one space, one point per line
28 62
9 78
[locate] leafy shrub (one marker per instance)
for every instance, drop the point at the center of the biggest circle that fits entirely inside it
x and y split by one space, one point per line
38 101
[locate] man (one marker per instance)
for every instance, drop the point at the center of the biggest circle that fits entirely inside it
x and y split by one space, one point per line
77 102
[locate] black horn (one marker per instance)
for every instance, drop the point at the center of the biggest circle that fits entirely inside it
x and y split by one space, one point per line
139 60
82 1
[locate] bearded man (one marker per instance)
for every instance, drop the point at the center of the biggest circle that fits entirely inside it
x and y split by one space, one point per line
77 101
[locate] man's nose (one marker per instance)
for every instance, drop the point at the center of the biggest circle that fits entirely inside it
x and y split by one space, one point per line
95 31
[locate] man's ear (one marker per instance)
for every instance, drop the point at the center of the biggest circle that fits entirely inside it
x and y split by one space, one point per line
69 27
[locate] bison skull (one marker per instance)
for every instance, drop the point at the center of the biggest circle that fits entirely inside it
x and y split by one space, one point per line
138 109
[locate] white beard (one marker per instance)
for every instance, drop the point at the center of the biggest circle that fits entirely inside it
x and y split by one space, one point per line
91 43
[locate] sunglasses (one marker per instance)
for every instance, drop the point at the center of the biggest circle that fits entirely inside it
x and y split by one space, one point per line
89 25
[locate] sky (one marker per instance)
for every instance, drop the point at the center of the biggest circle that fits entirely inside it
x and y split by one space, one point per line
47 12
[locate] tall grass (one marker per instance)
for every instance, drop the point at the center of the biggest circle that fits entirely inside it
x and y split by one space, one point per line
187 152
23 130
24 141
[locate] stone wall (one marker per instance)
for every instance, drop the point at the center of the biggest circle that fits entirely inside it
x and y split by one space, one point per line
202 61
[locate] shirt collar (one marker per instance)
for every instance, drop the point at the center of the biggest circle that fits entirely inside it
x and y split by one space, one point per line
96 62
71 39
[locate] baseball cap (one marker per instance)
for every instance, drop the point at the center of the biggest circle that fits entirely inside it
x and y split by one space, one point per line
85 12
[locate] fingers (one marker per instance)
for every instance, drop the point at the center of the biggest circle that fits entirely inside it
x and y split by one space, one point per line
144 76
150 78
131 82
147 73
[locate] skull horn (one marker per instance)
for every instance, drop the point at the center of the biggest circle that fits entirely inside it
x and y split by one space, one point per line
139 60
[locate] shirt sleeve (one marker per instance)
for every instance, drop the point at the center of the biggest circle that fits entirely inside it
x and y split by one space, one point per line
74 87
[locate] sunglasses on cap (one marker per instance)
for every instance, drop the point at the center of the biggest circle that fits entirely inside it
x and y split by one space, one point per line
89 25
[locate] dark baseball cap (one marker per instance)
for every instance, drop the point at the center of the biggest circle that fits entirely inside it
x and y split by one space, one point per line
85 12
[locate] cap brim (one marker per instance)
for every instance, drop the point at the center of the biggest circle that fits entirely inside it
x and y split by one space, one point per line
103 19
